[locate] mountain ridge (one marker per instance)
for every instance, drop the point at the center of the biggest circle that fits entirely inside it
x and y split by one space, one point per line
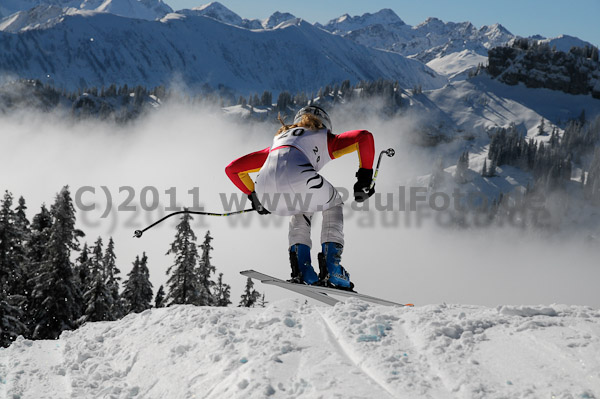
97 47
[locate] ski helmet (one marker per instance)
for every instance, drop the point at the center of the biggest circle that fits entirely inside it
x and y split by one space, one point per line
316 111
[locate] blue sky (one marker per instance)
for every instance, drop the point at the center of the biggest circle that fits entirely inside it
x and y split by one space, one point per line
549 18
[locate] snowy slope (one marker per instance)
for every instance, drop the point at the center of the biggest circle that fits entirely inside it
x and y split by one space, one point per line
33 18
457 65
100 49
295 350
565 42
475 106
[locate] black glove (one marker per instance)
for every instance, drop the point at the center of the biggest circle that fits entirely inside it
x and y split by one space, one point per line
256 205
364 178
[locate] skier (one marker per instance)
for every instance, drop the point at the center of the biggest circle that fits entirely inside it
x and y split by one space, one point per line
289 169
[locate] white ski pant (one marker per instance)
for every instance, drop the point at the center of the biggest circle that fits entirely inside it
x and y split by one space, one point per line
332 229
288 184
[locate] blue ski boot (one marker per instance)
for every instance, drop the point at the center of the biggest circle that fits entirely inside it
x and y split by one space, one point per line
331 273
302 270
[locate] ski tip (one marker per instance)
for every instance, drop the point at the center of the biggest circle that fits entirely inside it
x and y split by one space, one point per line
409 304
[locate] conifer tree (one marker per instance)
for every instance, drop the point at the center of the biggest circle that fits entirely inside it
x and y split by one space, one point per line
112 279
541 128
39 236
222 292
250 296
10 265
10 322
97 298
97 259
159 300
183 282
22 227
83 267
137 294
55 296
98 301
205 270
13 230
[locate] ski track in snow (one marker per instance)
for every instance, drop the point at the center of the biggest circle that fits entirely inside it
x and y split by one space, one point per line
300 351
338 342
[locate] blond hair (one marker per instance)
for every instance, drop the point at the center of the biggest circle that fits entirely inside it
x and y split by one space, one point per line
308 121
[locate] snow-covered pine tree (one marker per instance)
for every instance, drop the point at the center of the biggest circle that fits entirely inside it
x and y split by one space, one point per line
56 298
541 128
39 236
98 301
97 258
183 283
97 298
20 250
13 228
250 296
137 294
205 270
222 292
159 299
10 322
112 279
11 266
83 267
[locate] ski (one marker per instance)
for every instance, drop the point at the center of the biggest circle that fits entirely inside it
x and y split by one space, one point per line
316 292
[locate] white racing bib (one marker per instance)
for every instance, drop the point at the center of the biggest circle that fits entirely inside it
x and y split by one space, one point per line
312 143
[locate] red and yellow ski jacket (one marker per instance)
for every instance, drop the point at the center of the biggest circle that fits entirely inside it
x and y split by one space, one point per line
337 145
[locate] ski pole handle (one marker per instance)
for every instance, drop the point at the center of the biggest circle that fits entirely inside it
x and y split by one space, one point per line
138 233
390 153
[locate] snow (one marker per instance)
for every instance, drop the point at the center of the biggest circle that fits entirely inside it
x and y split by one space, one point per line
346 23
479 104
198 50
139 9
427 41
457 65
292 349
31 19
565 42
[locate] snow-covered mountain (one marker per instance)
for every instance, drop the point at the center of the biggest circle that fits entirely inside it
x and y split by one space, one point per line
295 350
34 18
426 41
219 12
346 24
99 49
139 9
565 42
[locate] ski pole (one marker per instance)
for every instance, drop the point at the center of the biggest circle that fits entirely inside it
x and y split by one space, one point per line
390 153
138 233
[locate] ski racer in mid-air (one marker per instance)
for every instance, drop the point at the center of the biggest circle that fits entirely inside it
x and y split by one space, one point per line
290 168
